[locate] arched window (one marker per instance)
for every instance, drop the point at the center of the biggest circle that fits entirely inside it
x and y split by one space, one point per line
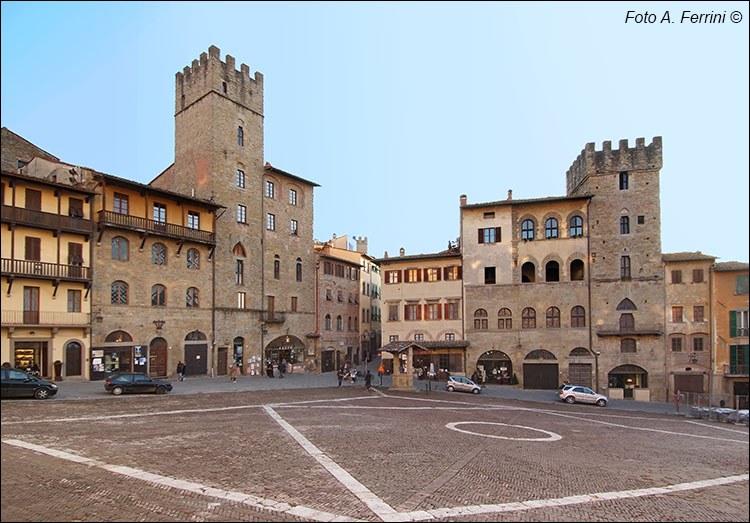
550 228
480 319
627 345
576 227
158 295
504 319
528 318
119 293
191 297
528 273
158 254
195 336
238 250
624 225
120 248
577 316
276 267
553 318
527 230
349 324
118 337
627 323
193 259
576 270
626 305
552 271
580 352
299 269
339 323
328 322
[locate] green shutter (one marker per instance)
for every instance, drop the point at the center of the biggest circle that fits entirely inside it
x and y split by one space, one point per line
732 357
732 324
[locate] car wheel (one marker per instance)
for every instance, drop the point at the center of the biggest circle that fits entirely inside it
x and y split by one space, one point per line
475 391
161 390
601 403
117 391
570 399
41 394
450 388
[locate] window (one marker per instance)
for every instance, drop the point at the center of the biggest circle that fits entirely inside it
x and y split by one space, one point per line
627 345
240 136
697 275
412 275
624 181
576 227
528 318
194 220
504 319
451 310
434 311
412 312
33 249
349 324
528 273
480 319
489 275
241 214
552 271
293 305
738 324
293 227
624 225
119 248
450 336
393 338
627 322
739 358
339 323
191 297
676 276
677 344
577 316
240 178
193 259
527 230
576 270
624 267
452 273
276 267
238 250
327 268
641 219
224 87
74 300
489 235
239 272
240 300
699 342
553 318
676 314
550 228
392 312
292 197
299 270
270 222
419 337
160 213
158 296
75 207
329 295
269 189
432 274
119 293
340 296
741 284
158 254
698 313
120 203
339 270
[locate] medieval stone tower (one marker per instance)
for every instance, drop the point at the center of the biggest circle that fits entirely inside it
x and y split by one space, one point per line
264 264
625 268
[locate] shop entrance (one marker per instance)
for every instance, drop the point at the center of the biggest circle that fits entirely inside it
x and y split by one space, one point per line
494 366
196 353
328 363
289 348
157 358
628 378
221 362
539 374
73 351
31 356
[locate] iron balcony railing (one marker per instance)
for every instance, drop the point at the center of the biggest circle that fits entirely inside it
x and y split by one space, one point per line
52 318
738 369
46 220
273 316
45 270
171 230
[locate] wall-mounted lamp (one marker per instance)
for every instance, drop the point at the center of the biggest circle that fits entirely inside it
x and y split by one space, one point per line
159 324
99 318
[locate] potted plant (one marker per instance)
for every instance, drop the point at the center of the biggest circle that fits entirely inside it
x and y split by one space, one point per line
58 370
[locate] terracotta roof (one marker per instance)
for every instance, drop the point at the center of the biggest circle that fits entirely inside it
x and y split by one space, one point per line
549 199
400 346
142 186
686 256
269 167
731 266
437 255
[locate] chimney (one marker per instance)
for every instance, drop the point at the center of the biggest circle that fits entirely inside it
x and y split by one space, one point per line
385 255
401 252
463 200
510 194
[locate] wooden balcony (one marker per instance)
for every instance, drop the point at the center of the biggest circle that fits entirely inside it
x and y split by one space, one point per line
44 270
46 220
45 318
146 226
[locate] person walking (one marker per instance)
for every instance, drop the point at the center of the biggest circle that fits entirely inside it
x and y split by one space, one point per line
381 371
282 368
181 370
233 372
340 375
368 380
269 369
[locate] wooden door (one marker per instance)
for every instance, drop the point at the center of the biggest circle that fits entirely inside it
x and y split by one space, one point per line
222 361
31 305
73 359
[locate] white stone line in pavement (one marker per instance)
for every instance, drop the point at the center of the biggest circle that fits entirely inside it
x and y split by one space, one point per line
454 426
373 502
306 513
714 427
472 510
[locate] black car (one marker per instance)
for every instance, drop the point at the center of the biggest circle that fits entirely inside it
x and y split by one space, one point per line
120 382
19 384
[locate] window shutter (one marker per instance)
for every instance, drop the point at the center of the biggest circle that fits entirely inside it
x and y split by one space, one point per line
438 275
419 275
439 312
425 276
445 310
419 312
445 273
406 312
732 357
497 234
481 235
399 277
732 324
459 272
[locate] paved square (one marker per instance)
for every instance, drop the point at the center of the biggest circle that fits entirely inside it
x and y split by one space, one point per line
346 454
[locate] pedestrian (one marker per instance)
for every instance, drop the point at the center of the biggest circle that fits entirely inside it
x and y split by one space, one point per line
269 369
35 369
368 380
475 377
340 375
181 370
282 368
381 371
233 372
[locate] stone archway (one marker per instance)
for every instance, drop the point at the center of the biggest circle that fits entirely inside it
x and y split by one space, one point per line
628 378
494 366
289 348
540 370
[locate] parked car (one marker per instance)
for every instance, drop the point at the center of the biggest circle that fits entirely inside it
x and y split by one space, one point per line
19 384
120 382
577 393
462 384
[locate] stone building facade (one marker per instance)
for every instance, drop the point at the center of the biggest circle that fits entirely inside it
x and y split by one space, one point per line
18 151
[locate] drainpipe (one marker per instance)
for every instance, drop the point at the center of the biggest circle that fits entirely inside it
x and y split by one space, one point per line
588 286
711 345
666 335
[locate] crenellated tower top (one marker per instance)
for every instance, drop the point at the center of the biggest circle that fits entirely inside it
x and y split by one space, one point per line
591 162
210 74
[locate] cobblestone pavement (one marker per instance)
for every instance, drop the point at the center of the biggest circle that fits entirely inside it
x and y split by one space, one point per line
333 453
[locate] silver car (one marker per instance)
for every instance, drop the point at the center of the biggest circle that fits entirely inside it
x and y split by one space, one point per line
462 384
577 393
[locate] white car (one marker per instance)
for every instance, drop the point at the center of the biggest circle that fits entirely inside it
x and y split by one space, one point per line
577 393
462 384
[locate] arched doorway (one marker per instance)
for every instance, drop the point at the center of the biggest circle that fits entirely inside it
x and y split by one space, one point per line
628 378
196 353
539 372
494 366
115 354
289 348
580 367
73 353
157 358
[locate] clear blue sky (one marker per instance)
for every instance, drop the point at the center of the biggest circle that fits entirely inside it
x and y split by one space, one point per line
397 109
